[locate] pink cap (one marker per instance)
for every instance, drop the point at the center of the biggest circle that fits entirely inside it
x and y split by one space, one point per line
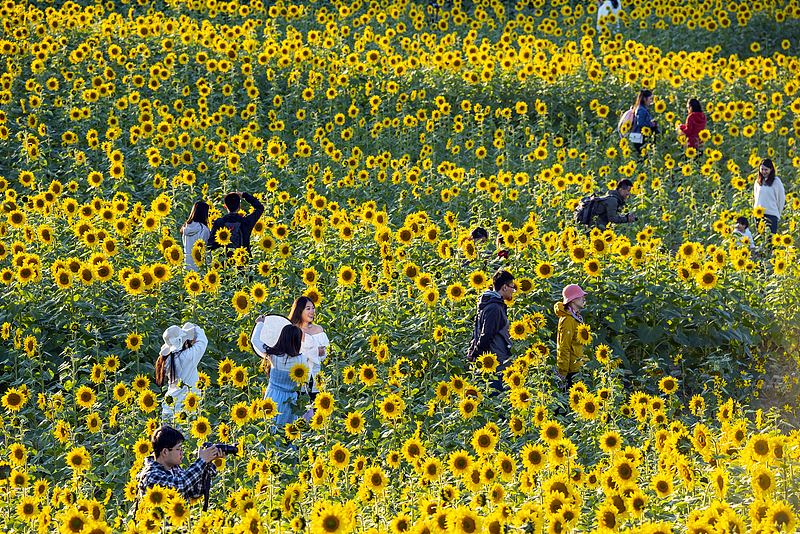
571 292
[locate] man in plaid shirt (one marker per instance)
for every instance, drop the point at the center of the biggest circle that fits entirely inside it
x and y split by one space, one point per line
164 467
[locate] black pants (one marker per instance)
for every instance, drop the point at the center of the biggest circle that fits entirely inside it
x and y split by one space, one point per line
772 223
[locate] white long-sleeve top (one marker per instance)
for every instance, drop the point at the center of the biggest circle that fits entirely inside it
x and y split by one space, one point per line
277 362
771 198
186 365
313 357
192 233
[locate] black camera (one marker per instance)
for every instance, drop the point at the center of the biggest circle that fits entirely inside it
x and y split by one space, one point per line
223 448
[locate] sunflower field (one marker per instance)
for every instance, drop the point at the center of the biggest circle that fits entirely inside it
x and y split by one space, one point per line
378 135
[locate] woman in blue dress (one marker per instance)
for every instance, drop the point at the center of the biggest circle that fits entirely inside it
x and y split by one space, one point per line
280 359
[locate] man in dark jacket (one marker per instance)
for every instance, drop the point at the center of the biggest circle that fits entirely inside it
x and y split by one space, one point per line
239 228
607 209
491 333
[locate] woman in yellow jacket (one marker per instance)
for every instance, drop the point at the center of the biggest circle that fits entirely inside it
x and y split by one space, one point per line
570 348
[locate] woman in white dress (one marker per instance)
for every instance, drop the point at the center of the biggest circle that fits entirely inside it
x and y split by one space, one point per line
315 342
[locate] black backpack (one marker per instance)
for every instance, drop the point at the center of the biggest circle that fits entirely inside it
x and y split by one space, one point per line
237 239
584 211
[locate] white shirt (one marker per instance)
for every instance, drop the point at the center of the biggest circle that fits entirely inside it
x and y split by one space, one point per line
771 198
745 236
186 364
192 233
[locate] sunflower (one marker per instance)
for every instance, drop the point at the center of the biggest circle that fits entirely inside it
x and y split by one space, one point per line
201 428
668 385
487 362
468 408
17 454
324 402
354 423
603 354
584 335
762 481
662 484
78 459
610 441
551 431
477 280
28 508
299 373
518 330
544 270
331 518
13 400
339 456
240 413
375 479
483 441
459 462
347 276
368 375
85 397
392 407
94 423
133 341
455 292
463 520
241 303
780 516
706 279
147 401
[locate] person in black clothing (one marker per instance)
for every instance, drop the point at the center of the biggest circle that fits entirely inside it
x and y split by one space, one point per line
607 209
239 228
491 332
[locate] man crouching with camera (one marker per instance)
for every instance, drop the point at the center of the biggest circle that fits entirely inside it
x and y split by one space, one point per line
164 467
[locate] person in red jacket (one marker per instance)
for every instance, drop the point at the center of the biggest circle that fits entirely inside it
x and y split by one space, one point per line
695 123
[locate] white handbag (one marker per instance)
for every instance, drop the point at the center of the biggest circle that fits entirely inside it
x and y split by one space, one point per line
636 137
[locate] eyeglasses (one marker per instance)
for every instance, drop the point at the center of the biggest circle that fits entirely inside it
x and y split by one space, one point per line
178 448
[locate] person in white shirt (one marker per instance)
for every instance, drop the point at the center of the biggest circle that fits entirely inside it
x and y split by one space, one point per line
177 361
604 9
315 342
281 358
742 232
195 229
768 193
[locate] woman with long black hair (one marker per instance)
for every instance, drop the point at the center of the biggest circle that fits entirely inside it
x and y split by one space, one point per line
195 229
315 342
768 194
280 359
642 119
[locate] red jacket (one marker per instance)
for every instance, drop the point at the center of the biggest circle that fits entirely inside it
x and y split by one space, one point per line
695 123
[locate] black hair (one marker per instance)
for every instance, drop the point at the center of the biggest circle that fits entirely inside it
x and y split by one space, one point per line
642 97
743 221
624 184
161 363
501 278
199 214
288 342
296 314
694 105
165 437
770 178
479 233
233 202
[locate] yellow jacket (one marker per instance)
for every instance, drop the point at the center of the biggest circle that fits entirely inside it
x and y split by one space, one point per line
570 349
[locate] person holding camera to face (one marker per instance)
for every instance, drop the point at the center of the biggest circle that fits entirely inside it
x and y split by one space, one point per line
164 469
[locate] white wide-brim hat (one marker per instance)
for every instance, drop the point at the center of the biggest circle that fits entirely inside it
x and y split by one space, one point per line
273 326
175 336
